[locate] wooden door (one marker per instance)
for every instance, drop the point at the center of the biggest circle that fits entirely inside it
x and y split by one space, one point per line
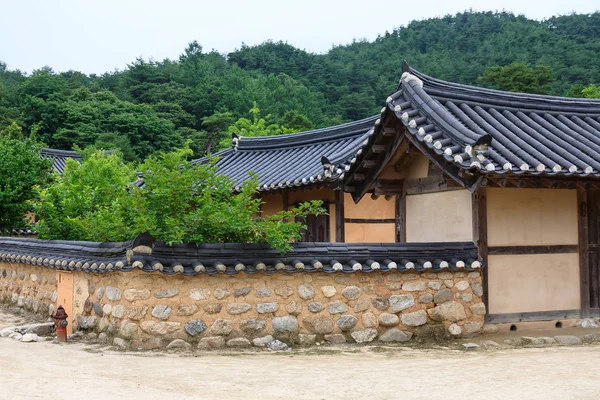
593 208
65 296
317 227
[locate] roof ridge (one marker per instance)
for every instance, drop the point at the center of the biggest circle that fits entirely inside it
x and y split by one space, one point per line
306 137
500 97
59 152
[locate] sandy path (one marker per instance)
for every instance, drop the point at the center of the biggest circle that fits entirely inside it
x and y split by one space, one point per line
46 370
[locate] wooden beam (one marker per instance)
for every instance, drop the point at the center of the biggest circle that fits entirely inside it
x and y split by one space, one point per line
480 228
389 131
552 249
401 218
584 264
369 163
431 184
340 233
533 316
285 200
378 148
388 186
369 221
549 183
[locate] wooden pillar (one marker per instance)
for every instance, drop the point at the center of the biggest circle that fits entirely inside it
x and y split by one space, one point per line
479 202
584 264
401 217
285 198
339 216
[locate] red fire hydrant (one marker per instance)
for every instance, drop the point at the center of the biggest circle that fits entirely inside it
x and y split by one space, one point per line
60 320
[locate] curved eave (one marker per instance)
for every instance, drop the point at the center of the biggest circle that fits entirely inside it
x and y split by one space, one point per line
526 139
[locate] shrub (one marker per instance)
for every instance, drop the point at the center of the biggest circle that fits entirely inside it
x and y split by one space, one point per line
180 202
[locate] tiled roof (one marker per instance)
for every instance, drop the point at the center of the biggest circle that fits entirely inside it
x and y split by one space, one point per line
189 259
59 158
528 134
294 160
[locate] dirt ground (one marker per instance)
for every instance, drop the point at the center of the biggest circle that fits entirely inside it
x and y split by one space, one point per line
51 371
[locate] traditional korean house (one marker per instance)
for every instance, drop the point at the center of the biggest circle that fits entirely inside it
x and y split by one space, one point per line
59 158
515 173
445 180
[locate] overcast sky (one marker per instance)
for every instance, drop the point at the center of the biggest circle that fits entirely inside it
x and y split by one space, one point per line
103 35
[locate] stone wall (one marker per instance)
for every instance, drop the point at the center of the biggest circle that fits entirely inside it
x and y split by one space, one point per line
150 310
28 287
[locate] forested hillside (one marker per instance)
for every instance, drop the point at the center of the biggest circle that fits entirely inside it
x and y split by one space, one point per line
275 88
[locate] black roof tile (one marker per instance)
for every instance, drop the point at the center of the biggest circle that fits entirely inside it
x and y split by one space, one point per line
530 134
293 160
59 158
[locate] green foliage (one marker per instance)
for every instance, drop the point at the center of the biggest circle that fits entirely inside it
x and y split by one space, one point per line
158 105
180 202
591 92
21 171
255 127
86 189
519 77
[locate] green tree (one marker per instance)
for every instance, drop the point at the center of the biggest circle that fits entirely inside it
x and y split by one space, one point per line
591 92
180 202
67 207
21 171
255 127
519 77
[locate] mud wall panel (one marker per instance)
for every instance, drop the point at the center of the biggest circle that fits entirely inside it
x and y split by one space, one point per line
365 233
439 217
531 283
522 217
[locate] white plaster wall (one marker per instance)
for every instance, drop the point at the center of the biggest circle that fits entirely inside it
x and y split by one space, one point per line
439 217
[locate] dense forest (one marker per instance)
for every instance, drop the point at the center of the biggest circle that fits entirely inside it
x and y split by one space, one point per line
276 88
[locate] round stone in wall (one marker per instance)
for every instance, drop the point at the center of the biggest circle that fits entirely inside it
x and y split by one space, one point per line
328 291
163 294
337 307
113 293
221 293
199 293
416 318
221 327
306 292
195 327
315 307
443 296
346 322
185 310
318 324
381 303
401 302
253 325
351 292
136 294
294 308
161 311
455 330
365 335
241 292
263 291
387 319
118 311
285 324
238 308
263 308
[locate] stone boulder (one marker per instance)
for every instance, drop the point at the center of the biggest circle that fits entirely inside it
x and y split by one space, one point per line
450 311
